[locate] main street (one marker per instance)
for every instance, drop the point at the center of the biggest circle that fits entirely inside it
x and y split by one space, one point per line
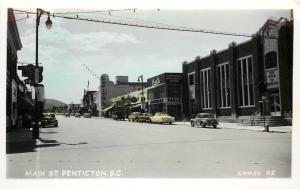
95 147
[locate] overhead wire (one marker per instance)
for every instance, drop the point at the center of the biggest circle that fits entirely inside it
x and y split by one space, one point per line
170 28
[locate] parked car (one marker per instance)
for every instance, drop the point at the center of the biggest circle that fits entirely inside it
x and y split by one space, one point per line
86 115
49 120
204 119
72 114
144 118
162 118
134 116
67 115
119 116
77 115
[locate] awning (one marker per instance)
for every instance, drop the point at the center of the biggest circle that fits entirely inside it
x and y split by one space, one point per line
154 86
108 108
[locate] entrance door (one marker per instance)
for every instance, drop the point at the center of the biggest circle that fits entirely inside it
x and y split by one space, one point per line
275 105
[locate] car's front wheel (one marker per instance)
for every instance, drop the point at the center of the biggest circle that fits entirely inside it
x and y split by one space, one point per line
203 124
192 124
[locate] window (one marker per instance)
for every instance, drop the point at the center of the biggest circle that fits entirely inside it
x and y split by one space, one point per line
245 81
191 81
223 85
191 77
271 60
205 84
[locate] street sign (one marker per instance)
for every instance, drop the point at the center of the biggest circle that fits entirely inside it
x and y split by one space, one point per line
33 73
28 81
27 71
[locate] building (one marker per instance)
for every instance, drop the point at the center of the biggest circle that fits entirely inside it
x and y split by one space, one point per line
127 103
122 86
73 107
239 81
88 103
18 98
165 94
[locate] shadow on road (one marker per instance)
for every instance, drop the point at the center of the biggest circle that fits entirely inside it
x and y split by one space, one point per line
20 147
49 132
50 143
31 145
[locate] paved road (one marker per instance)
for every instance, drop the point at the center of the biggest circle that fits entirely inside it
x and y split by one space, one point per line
83 147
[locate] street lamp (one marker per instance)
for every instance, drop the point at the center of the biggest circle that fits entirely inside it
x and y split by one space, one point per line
263 101
39 13
141 78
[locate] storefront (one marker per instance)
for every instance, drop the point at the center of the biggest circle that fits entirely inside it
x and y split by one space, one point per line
165 94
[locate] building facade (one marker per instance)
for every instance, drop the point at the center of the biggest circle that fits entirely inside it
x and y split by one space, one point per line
18 98
109 89
165 94
235 82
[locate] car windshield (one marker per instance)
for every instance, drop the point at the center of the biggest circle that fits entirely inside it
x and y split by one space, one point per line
205 116
161 114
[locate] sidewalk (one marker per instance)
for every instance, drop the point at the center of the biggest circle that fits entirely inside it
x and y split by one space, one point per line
18 140
283 129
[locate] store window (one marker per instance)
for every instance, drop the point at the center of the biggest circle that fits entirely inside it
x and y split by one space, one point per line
223 85
205 84
245 81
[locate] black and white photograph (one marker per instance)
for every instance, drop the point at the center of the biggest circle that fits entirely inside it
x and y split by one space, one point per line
123 93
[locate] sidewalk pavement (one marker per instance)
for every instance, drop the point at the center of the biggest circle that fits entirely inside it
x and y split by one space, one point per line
19 140
283 129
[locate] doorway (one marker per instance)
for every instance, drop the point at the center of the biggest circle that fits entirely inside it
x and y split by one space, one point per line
275 105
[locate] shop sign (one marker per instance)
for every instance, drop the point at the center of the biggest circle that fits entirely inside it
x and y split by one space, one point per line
155 81
157 101
272 78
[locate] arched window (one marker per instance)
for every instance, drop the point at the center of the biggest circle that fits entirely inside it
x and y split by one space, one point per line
271 60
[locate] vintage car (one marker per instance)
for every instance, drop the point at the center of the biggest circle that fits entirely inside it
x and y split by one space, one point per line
77 115
162 118
49 120
134 116
86 115
144 118
67 115
204 119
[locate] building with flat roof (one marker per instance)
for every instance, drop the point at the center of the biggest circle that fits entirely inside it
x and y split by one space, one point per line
247 79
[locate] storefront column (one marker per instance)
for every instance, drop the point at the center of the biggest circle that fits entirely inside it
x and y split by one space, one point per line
233 79
197 84
214 96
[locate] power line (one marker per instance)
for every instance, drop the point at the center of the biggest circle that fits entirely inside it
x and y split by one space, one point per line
173 28
177 28
91 72
101 11
156 27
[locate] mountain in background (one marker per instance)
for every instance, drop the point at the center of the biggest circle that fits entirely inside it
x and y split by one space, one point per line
50 103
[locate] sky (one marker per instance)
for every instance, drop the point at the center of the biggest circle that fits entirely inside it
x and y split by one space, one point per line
123 50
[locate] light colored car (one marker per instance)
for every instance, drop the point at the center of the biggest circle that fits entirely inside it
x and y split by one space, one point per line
204 119
162 118
145 118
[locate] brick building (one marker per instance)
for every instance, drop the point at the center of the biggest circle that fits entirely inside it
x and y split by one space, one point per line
232 83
